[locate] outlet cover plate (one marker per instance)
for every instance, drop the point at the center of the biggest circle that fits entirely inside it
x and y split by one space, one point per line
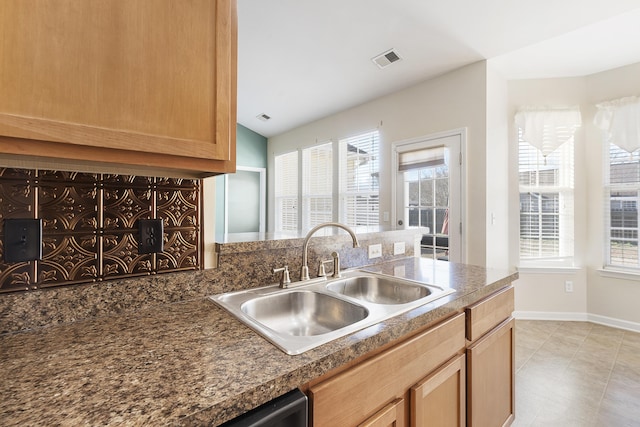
151 236
398 248
22 240
375 251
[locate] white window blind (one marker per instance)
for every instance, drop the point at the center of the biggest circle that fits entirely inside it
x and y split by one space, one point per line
286 191
546 203
317 185
622 190
359 180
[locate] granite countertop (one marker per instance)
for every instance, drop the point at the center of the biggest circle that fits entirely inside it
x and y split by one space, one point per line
192 363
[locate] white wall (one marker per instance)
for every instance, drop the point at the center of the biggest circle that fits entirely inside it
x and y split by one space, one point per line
452 101
596 297
497 180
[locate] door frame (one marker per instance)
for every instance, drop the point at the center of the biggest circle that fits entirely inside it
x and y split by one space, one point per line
462 134
263 196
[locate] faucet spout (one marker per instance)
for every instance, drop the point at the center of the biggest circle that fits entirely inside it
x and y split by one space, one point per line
304 271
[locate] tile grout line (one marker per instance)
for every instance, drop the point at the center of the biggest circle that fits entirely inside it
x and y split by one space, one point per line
557 326
613 364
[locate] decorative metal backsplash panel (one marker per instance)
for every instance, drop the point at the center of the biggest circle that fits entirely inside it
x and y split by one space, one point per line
89 230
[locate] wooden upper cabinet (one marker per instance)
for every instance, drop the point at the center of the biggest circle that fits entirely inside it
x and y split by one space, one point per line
138 82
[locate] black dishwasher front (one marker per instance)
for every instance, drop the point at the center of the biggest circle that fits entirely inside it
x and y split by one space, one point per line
288 410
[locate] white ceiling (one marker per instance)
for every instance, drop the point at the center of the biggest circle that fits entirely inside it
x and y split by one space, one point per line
301 60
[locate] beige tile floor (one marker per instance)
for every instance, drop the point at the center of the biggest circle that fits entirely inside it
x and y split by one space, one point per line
576 374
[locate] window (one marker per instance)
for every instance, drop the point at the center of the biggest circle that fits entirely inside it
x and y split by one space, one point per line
359 180
546 203
621 194
317 185
286 191
309 190
620 121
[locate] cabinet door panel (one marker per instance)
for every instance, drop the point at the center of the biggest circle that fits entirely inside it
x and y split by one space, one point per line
490 378
391 415
135 76
439 400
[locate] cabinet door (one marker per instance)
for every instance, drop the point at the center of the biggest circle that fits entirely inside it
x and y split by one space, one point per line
352 396
439 400
124 81
391 415
490 378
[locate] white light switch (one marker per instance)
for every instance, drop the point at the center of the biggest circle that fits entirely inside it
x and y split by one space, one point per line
375 251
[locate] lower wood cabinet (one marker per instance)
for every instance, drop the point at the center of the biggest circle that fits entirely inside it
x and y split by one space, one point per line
460 372
376 391
490 378
439 400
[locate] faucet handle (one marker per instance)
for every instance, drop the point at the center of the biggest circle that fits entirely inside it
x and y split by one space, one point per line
336 264
285 279
321 270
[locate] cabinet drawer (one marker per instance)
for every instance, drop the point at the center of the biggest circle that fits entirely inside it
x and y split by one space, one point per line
486 314
366 388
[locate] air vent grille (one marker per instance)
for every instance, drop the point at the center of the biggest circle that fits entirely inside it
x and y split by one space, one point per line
264 117
387 58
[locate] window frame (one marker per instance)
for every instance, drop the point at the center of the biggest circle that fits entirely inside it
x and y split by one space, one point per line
562 189
337 195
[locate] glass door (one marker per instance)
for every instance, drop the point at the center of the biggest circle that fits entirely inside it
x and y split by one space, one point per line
429 194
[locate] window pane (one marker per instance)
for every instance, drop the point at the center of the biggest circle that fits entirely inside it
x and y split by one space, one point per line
359 180
426 192
546 202
623 232
286 191
317 185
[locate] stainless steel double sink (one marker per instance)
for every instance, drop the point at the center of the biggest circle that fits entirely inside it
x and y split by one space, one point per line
303 317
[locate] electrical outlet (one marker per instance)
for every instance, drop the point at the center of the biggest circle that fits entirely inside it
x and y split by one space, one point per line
568 286
398 248
375 251
22 240
150 232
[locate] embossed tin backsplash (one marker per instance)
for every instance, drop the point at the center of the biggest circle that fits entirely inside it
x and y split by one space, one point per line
89 225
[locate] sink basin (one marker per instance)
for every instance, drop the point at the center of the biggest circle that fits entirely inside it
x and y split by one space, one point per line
379 290
303 313
321 310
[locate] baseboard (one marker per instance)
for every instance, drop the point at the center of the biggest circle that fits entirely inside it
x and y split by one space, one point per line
616 323
550 315
578 317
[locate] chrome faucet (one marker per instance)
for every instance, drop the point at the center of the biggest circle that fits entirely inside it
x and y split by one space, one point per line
304 271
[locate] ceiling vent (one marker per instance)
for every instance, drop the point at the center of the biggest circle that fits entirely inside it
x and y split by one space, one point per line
387 58
263 117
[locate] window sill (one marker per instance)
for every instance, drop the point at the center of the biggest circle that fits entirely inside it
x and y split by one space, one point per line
547 270
619 274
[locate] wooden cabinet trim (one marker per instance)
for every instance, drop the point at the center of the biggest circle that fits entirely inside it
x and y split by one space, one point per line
391 415
487 313
367 387
52 155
